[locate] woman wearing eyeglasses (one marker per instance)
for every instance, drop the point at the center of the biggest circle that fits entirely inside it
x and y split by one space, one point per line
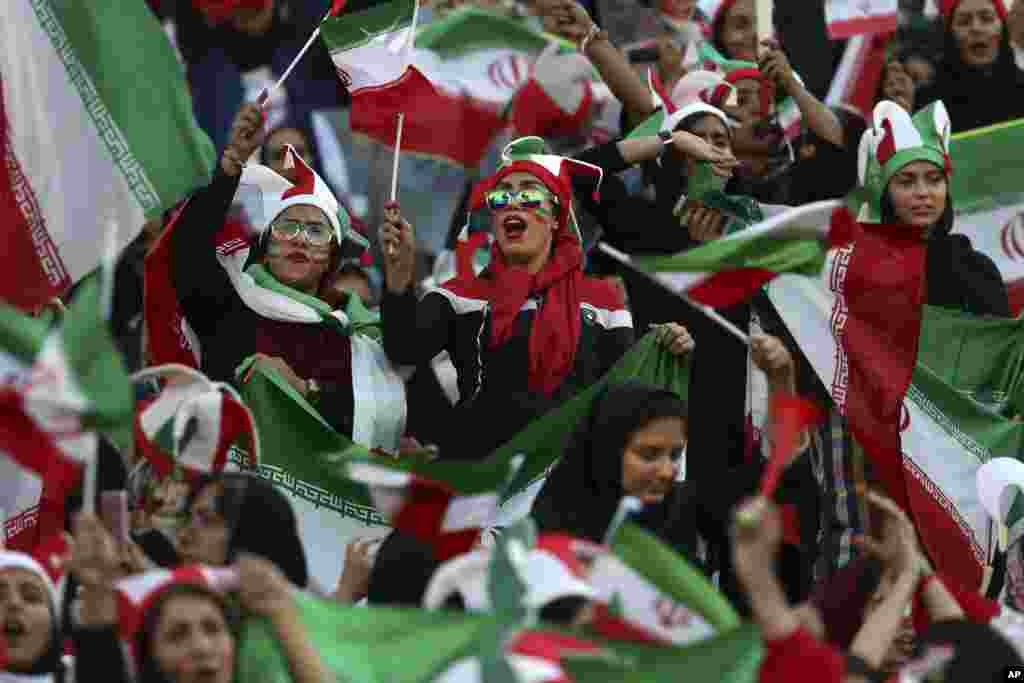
529 331
264 298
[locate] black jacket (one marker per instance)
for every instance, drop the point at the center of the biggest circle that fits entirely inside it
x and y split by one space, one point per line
495 401
229 331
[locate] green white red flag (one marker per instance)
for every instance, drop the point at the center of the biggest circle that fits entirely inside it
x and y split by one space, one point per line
96 125
846 18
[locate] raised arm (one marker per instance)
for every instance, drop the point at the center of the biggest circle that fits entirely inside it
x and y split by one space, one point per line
570 20
414 331
819 118
203 288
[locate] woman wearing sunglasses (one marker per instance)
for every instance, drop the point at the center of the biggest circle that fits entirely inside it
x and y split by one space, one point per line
531 330
264 298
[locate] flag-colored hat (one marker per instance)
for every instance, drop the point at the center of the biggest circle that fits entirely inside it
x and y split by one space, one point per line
528 155
50 574
192 426
895 140
278 193
546 575
949 6
693 94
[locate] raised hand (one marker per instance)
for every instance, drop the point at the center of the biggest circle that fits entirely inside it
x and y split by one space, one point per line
246 137
398 240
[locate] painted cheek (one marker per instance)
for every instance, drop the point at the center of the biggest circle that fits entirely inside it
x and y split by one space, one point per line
320 255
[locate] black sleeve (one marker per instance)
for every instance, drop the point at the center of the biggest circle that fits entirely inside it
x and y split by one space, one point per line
631 224
415 331
988 295
203 288
612 345
98 655
337 405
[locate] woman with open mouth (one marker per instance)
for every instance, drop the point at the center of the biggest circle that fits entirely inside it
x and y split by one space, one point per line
531 330
981 80
30 639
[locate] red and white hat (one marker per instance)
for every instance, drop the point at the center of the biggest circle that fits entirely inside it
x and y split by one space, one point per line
693 94
528 155
548 574
277 193
193 425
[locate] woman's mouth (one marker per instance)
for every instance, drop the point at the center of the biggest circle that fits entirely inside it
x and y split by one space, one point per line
514 227
13 629
298 257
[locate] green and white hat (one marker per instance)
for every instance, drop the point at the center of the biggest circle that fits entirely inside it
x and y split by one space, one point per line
895 140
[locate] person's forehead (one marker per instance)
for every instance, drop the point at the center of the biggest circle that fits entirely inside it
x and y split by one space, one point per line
971 6
306 213
21 575
748 85
520 179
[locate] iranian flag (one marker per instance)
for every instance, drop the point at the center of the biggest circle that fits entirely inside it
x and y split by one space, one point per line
651 587
331 509
729 270
846 18
950 414
95 125
989 200
59 388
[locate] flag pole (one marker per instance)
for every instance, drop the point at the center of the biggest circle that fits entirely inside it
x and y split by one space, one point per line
3 528
391 210
108 265
89 484
706 310
264 97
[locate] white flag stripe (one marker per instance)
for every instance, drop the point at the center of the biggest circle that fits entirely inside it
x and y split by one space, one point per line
645 605
470 512
58 144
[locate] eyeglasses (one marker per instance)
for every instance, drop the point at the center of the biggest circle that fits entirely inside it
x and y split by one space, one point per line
316 234
524 199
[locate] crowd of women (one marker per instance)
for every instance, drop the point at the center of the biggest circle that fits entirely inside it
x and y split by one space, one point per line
528 319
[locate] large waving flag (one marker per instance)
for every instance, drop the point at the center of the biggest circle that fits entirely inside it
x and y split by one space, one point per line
965 381
988 200
846 18
95 124
60 387
731 269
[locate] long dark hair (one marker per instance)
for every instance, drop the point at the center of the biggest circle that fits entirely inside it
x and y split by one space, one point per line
582 492
260 521
149 671
942 227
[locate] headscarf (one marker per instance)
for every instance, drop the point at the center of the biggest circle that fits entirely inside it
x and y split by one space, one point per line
260 522
556 327
582 493
50 661
949 6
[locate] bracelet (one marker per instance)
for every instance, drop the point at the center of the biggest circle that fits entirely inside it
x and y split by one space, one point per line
593 33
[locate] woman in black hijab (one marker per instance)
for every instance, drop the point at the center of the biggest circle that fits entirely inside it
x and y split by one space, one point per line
237 513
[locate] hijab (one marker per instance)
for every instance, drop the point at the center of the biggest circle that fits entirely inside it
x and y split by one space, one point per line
583 491
260 521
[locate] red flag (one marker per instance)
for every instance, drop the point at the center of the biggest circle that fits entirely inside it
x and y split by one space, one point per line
790 415
883 291
336 7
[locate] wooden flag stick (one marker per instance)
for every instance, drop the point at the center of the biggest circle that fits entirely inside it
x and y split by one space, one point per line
108 266
89 484
391 210
763 16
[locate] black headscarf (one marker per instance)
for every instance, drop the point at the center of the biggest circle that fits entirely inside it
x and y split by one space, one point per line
980 653
582 493
956 276
977 96
261 522
401 571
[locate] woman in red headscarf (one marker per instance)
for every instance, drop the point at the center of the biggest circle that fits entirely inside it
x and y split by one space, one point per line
529 331
981 79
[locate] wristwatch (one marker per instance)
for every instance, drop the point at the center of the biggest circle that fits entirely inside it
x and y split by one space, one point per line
666 137
312 391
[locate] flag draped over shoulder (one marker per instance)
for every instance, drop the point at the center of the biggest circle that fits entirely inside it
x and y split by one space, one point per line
95 125
61 386
330 508
951 408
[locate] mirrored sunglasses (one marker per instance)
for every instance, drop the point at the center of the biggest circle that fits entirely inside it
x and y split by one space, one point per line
523 199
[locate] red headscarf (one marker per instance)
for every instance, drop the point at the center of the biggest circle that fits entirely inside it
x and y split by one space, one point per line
555 331
949 6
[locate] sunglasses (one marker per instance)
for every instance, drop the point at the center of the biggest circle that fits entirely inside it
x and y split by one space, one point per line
523 199
316 234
